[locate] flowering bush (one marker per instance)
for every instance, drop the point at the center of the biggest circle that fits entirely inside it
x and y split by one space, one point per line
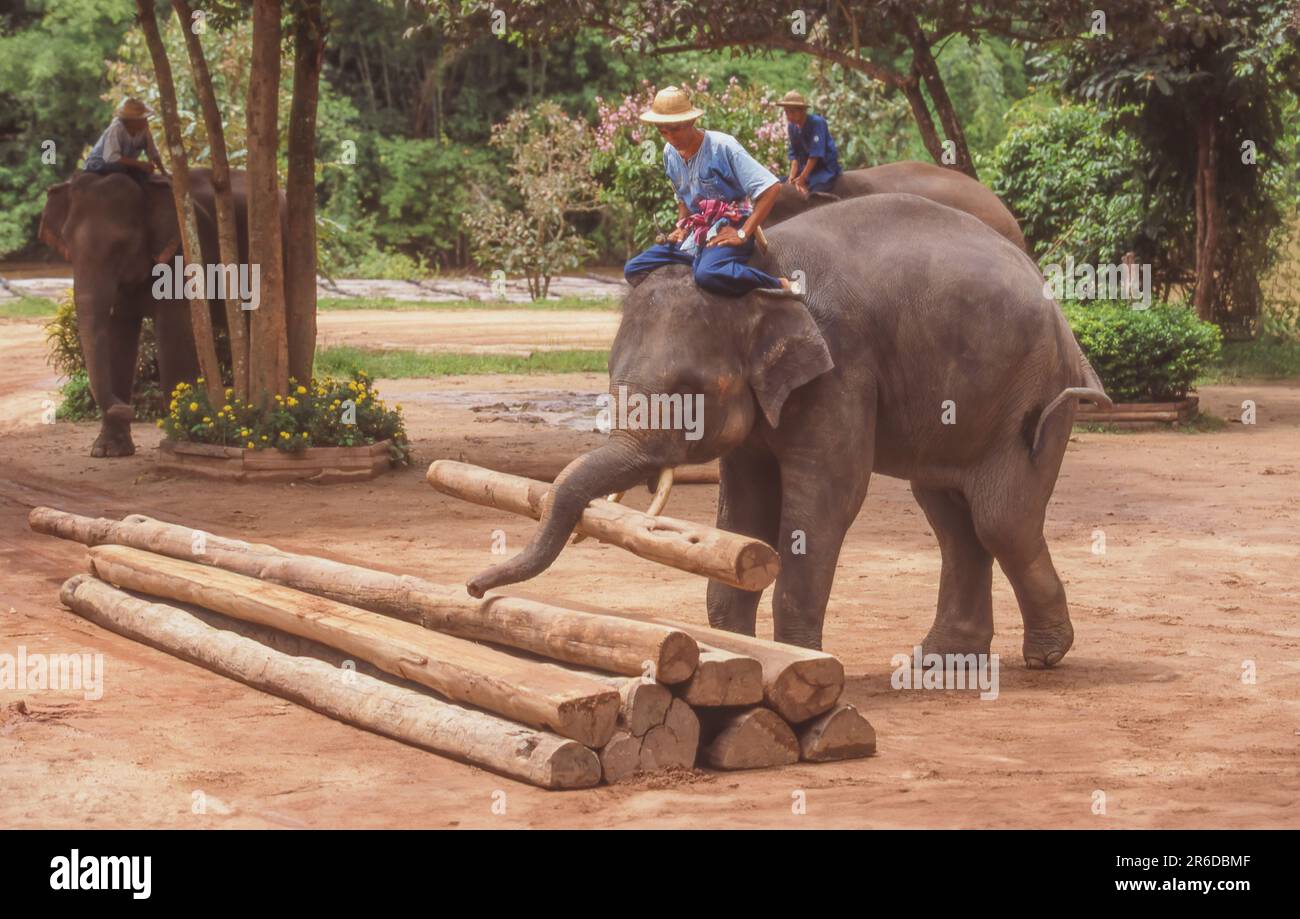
628 161
326 413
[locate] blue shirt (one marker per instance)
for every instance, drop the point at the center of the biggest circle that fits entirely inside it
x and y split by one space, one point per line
117 143
813 138
720 169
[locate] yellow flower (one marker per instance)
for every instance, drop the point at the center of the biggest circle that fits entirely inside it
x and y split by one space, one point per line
253 446
221 414
207 420
229 391
227 408
284 434
194 406
292 401
304 435
263 437
199 380
302 390
173 405
160 423
398 406
279 398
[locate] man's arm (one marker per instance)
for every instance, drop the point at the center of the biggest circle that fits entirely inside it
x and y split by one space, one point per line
762 207
152 150
677 235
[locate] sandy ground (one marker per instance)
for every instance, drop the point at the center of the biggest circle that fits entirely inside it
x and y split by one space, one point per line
1200 575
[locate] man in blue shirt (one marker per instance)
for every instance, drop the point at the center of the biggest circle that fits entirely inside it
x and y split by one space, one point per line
715 181
814 161
126 146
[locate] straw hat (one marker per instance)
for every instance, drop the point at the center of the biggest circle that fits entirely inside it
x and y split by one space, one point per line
133 108
671 106
793 99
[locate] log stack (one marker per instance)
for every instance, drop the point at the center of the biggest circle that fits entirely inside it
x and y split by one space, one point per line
556 694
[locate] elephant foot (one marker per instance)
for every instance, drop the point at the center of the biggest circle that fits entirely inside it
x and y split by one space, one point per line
113 443
120 413
1044 647
956 642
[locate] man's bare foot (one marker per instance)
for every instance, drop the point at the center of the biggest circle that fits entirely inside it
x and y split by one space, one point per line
791 286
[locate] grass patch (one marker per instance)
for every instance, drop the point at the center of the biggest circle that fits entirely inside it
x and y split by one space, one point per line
27 306
343 360
1264 359
599 304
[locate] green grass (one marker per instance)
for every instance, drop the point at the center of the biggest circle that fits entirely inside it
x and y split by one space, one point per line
606 304
342 360
1254 360
27 306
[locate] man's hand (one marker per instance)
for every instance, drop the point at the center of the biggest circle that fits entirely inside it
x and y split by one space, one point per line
801 185
677 235
727 236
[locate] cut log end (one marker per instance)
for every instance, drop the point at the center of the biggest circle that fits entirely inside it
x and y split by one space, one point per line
841 733
806 688
678 657
724 679
756 738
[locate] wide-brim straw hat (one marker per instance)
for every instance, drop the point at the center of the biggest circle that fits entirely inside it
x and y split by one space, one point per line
793 99
133 108
672 105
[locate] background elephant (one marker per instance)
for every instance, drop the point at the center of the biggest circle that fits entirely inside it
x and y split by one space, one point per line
113 230
927 353
947 186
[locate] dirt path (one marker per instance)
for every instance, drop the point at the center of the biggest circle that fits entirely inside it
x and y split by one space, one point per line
1199 576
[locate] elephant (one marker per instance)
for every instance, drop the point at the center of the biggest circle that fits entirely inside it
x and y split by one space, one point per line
947 186
113 230
927 350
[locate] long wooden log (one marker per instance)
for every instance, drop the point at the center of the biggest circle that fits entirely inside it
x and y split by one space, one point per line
595 640
406 714
752 739
523 690
740 561
723 679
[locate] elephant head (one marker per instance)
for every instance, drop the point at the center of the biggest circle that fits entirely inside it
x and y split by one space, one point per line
714 366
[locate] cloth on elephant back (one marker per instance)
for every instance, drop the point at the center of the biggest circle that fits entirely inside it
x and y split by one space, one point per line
712 212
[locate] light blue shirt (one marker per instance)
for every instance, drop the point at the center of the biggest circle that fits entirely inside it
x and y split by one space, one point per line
118 143
720 169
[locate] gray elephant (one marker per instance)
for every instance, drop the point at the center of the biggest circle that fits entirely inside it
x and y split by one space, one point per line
113 230
927 351
947 186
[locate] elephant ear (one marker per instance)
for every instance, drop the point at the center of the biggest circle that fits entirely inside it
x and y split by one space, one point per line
164 232
55 215
786 351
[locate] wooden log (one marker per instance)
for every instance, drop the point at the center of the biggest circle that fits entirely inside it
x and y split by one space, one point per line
673 744
755 738
520 689
620 758
841 733
596 640
393 710
723 679
739 561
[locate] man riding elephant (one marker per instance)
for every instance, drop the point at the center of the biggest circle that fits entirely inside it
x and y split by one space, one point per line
715 180
814 159
123 142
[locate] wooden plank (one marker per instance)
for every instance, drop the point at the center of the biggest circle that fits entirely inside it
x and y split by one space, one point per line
739 561
841 733
597 640
755 738
464 671
286 666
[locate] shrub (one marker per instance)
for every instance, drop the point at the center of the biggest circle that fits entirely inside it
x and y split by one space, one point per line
1151 355
63 351
326 413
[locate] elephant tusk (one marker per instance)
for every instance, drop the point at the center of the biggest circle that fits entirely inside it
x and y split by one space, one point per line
657 503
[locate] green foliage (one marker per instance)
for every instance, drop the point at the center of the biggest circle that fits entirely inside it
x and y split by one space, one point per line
63 352
1069 174
325 413
566 303
1151 355
24 307
550 177
1264 359
399 364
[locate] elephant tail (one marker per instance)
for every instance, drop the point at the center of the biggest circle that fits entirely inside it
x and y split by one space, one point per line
1091 391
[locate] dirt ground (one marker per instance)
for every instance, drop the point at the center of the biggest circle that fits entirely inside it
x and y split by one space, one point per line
1200 575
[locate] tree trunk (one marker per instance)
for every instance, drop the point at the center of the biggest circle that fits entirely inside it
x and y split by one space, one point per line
300 271
924 64
200 315
268 348
227 229
921 115
1207 215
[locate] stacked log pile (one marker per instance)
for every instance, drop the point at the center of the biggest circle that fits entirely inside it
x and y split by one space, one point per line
557 694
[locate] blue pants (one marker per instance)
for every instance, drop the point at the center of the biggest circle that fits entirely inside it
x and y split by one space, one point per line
99 167
717 269
822 178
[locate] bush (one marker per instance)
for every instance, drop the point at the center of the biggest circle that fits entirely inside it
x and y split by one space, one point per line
315 415
1151 355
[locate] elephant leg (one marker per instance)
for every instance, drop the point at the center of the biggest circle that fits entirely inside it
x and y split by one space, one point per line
178 361
963 623
115 425
1009 521
749 503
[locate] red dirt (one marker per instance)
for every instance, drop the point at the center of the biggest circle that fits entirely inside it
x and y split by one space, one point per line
1199 576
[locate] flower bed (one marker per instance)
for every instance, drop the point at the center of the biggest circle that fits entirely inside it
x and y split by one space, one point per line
328 430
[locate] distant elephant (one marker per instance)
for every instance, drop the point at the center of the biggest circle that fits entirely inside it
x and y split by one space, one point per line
947 186
926 351
113 230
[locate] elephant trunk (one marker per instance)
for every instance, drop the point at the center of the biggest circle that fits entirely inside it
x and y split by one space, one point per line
93 300
617 465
